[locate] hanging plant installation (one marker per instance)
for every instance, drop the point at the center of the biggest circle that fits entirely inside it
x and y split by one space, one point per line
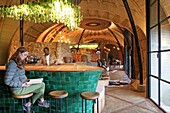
40 12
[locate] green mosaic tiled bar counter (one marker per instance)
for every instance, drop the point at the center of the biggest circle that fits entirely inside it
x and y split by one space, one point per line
71 77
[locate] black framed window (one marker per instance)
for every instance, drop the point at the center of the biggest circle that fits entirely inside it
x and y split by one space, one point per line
158 34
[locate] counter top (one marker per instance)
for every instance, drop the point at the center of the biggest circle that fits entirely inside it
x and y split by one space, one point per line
60 68
2 67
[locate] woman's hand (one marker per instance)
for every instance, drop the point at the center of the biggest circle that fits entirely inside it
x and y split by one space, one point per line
25 84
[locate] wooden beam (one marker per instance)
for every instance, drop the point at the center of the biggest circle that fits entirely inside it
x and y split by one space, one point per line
31 35
80 39
117 41
126 5
57 33
36 29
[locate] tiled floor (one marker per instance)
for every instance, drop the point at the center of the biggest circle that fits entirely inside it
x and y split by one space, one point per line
123 99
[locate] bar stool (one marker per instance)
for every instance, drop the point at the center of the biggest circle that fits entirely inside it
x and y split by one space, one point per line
24 96
59 94
90 96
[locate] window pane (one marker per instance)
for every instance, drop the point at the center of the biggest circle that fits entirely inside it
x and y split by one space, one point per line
154 64
165 35
152 1
154 39
154 13
154 89
165 96
165 65
162 13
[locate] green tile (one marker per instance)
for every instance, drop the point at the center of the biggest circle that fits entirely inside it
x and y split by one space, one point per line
73 82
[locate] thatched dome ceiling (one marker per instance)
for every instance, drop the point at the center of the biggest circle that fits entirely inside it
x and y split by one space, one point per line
99 15
107 11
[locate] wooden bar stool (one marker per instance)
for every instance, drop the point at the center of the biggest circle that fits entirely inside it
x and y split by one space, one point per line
59 94
90 96
24 96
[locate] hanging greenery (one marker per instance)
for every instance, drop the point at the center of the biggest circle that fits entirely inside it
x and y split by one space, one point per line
40 12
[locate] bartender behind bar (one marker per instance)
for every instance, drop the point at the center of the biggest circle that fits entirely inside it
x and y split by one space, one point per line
47 59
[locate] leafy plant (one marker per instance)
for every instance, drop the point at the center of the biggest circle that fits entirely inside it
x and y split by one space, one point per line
44 11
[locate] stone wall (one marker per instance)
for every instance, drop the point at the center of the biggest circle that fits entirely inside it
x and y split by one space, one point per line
60 50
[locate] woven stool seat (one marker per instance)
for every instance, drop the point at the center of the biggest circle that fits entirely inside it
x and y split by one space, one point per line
22 96
58 94
90 95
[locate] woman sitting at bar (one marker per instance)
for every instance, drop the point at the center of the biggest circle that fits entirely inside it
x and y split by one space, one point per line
16 79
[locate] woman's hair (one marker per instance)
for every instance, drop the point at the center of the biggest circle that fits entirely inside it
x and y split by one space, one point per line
17 58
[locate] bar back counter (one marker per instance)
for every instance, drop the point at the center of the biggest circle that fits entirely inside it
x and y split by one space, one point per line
74 78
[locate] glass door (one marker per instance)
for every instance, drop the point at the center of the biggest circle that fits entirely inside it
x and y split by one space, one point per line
158 31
